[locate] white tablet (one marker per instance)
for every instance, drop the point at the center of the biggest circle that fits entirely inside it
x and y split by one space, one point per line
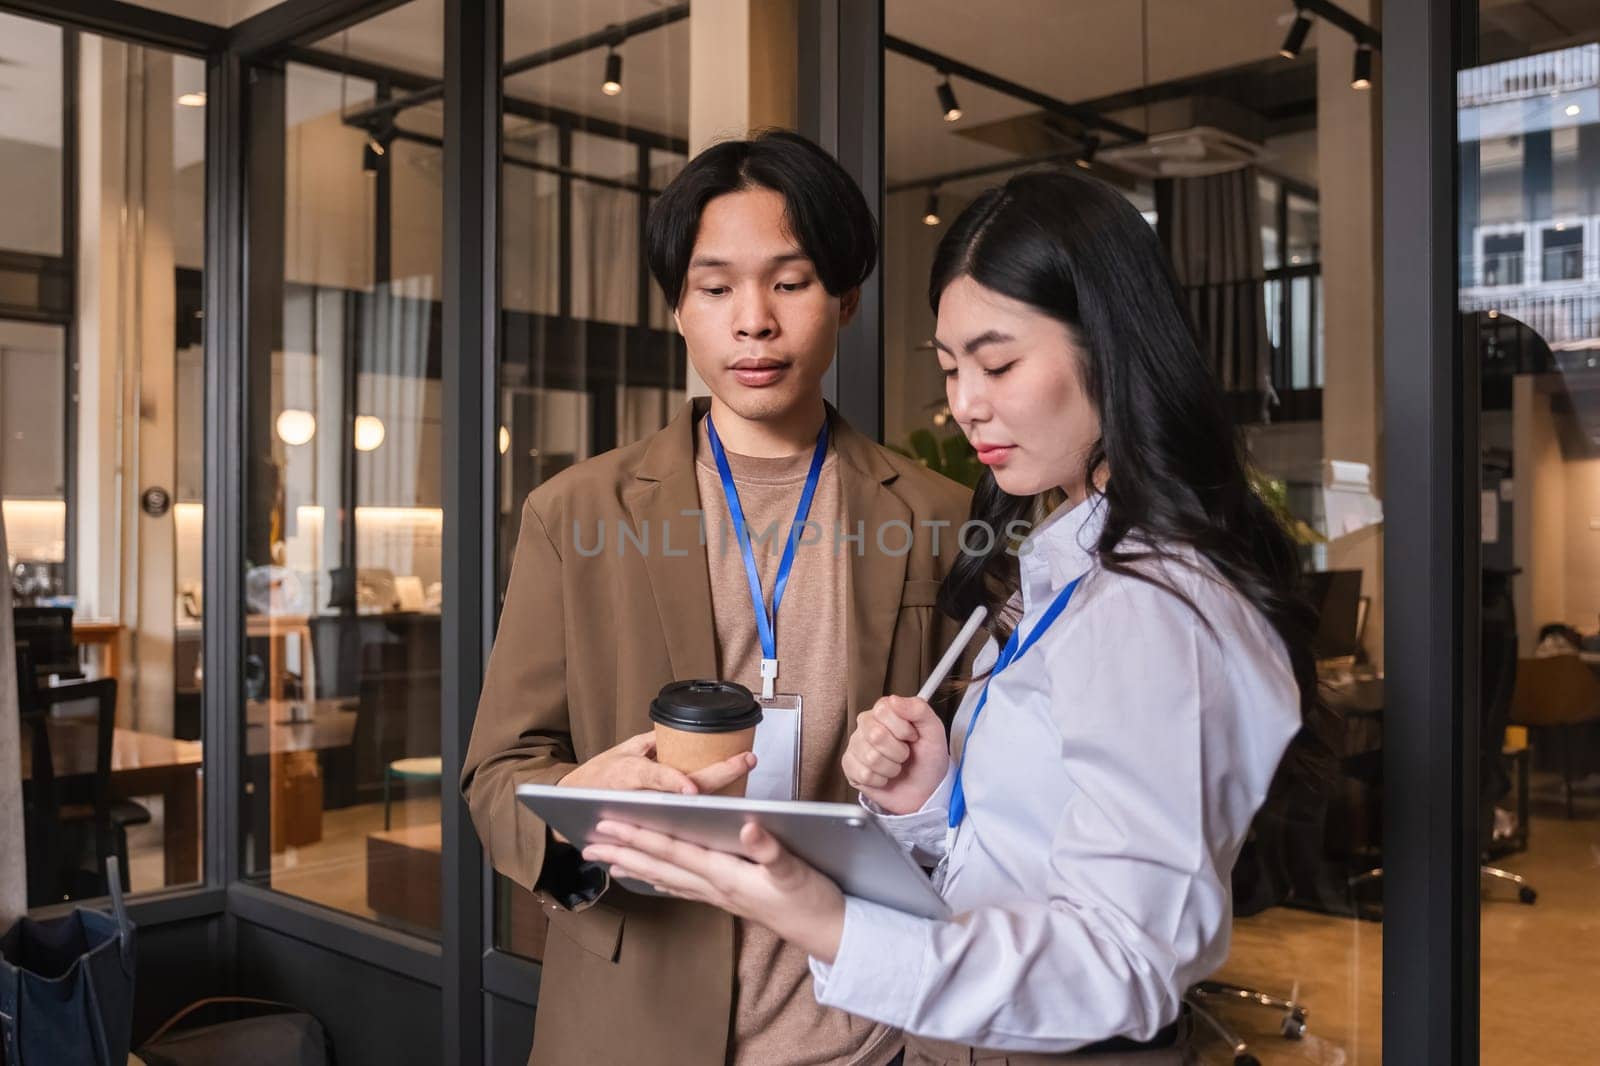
844 841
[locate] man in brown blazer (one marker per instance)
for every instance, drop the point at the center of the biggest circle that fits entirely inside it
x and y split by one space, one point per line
628 576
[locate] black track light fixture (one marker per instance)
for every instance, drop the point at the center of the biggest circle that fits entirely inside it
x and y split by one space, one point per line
931 216
377 146
947 100
1297 35
612 86
1361 72
1091 145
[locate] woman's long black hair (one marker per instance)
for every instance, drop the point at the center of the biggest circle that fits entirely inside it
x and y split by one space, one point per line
1075 249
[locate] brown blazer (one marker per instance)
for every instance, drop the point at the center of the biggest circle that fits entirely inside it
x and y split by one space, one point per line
587 639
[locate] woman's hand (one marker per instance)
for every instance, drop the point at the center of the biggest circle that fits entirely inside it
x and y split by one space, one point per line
898 754
768 885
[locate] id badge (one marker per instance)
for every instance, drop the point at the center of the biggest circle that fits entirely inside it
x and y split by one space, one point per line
777 748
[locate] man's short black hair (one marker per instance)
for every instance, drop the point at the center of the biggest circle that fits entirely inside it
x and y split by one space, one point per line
824 208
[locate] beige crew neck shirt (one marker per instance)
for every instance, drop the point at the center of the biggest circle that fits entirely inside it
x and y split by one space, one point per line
776 1019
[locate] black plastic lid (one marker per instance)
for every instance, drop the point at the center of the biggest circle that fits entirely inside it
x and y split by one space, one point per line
705 707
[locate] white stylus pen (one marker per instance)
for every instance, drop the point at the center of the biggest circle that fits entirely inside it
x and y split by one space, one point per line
952 653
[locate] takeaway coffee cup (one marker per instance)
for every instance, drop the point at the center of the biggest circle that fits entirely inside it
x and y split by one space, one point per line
699 723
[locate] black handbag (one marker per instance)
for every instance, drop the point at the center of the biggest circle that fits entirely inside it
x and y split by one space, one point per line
242 1032
66 986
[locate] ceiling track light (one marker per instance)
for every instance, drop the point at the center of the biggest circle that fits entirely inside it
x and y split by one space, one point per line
1361 72
612 86
931 216
1091 145
947 100
377 146
1297 35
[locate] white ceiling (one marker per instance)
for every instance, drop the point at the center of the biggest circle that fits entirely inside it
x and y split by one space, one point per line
1073 50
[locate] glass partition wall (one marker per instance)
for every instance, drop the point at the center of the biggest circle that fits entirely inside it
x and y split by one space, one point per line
103 157
405 288
1528 224
343 532
589 358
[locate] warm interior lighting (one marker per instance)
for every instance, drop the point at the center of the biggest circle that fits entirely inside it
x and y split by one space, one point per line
1297 36
369 433
1091 145
947 101
1361 75
505 440
612 86
295 426
192 100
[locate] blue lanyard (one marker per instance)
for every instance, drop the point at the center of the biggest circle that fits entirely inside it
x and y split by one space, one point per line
766 619
1008 655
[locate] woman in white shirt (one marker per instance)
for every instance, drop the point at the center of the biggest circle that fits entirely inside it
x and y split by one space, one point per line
1153 666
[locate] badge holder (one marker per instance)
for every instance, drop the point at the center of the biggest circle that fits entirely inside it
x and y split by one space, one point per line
777 748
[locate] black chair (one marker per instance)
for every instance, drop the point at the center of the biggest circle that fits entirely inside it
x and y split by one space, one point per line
1497 685
1498 669
1265 875
72 822
48 631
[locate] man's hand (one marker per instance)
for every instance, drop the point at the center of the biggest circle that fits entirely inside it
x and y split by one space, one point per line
898 754
632 765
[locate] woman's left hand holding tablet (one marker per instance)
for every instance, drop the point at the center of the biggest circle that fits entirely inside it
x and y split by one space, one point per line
766 885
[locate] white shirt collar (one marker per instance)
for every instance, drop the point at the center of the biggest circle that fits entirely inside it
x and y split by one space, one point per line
1060 549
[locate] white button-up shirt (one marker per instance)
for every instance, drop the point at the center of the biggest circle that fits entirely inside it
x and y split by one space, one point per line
1110 783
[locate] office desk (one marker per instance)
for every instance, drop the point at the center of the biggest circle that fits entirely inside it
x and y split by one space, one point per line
276 631
147 764
104 635
142 764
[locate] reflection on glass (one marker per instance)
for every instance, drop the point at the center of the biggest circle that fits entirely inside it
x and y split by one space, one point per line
101 415
1529 200
344 529
589 360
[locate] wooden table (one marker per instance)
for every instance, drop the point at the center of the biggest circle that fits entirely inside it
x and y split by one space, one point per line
142 764
106 635
277 629
147 764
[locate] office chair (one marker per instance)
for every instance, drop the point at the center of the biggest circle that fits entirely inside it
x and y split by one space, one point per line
1556 693
1503 681
1292 1025
1498 677
48 631
58 804
1264 876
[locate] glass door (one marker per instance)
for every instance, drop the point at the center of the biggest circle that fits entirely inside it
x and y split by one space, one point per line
1528 122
